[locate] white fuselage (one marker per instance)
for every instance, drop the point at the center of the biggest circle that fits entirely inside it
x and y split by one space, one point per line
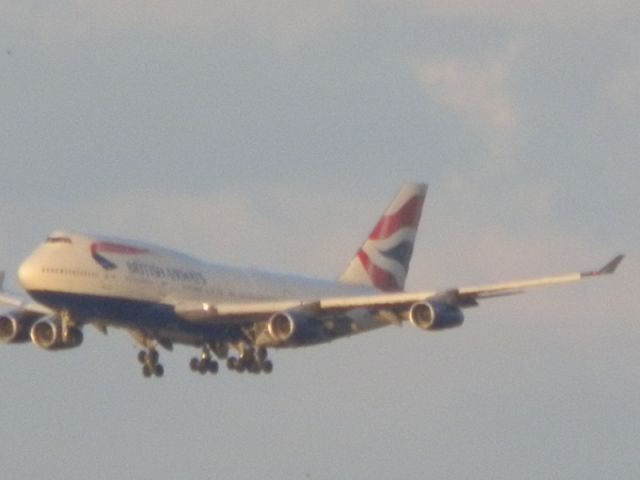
83 265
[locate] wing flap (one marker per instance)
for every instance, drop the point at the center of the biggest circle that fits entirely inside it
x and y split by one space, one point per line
210 312
205 311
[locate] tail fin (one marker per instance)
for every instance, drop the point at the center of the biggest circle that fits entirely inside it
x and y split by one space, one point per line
383 260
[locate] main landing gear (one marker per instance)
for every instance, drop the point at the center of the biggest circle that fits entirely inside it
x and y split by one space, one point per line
250 359
149 360
204 364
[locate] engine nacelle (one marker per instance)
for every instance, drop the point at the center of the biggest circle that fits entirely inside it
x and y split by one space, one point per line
281 326
14 327
47 333
285 327
435 315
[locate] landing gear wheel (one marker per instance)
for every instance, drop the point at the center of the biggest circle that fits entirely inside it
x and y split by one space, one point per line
267 366
251 359
254 366
204 364
261 354
149 360
213 367
232 363
193 364
153 356
240 366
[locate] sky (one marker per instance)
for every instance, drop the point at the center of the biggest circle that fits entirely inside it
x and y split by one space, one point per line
273 134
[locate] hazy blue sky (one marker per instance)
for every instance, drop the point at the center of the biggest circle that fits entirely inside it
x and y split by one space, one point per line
273 134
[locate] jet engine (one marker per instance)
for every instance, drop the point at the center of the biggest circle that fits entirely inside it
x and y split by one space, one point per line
47 333
285 327
281 326
435 316
14 326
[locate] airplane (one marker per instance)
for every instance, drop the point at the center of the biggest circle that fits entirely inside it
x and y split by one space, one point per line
163 297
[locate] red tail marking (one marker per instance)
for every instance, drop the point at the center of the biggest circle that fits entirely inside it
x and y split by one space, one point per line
407 216
380 278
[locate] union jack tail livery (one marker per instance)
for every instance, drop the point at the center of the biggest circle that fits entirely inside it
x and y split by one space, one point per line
383 260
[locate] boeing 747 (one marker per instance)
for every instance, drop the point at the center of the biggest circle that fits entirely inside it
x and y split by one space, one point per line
163 297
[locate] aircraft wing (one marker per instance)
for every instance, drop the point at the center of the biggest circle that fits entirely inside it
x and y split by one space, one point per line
511 288
464 297
19 302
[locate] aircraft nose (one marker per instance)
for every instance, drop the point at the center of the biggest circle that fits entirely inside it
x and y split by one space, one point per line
27 273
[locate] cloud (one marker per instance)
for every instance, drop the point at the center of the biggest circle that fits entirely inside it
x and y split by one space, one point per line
478 92
473 90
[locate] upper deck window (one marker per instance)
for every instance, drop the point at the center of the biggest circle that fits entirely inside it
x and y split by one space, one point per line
58 240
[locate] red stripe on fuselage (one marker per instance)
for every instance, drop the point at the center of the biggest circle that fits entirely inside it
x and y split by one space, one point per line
407 216
107 247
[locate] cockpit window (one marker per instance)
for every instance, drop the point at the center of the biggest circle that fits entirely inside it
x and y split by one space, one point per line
58 240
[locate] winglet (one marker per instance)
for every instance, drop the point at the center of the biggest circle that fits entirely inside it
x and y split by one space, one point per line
608 269
611 266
